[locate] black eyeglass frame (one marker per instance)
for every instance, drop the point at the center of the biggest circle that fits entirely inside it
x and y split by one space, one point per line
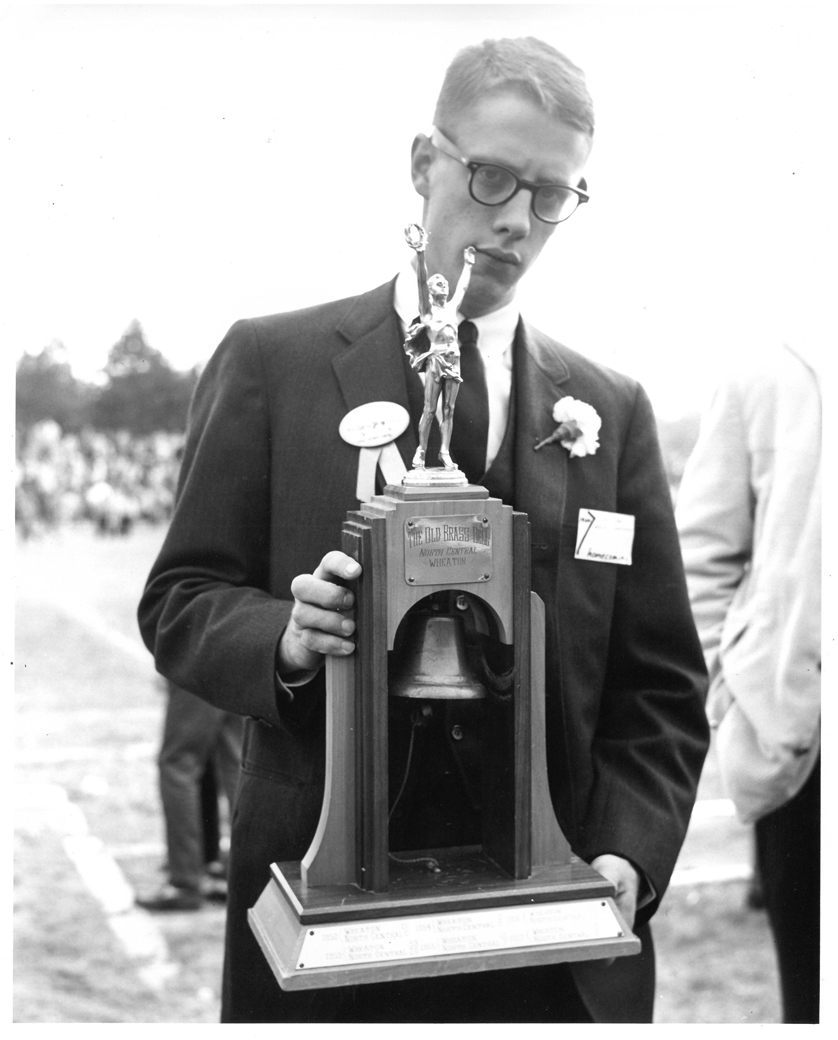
473 165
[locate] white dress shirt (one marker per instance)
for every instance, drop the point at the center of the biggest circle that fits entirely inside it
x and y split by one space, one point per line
495 335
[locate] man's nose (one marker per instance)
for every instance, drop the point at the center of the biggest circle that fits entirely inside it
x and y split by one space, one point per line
514 217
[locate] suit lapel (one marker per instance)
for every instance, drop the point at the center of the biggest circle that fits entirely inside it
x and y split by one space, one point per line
371 368
540 476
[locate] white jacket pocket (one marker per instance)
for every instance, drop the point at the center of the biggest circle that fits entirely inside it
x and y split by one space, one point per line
757 776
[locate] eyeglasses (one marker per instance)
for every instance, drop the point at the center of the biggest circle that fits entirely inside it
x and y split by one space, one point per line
492 185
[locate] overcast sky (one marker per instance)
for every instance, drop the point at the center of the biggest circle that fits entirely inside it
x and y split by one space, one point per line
187 166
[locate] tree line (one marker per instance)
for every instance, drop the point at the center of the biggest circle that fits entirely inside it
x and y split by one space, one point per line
140 392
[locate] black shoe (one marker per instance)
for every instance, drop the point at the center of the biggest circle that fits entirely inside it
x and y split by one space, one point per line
171 897
216 869
754 899
214 882
214 889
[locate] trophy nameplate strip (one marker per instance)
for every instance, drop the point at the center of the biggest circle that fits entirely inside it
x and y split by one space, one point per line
439 935
447 550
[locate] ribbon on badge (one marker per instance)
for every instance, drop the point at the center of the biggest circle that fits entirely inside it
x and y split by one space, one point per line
373 428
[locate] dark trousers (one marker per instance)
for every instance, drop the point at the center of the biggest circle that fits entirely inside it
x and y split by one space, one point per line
788 853
195 735
210 814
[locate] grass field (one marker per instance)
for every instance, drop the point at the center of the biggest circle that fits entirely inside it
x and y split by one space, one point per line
88 829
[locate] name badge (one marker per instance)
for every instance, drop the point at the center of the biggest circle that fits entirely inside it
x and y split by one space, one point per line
373 428
604 537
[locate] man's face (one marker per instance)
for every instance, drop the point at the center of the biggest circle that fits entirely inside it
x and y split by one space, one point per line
512 131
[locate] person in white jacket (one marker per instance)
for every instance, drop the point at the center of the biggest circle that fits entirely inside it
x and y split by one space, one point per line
749 518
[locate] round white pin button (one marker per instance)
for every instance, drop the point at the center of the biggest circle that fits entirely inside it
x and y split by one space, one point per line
373 424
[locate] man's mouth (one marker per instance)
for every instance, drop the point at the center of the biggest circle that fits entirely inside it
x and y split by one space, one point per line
501 255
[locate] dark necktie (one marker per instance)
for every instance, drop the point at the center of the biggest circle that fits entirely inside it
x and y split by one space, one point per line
471 411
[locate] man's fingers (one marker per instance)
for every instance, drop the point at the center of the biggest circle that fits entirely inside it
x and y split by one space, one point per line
337 565
628 907
319 642
321 621
309 618
322 589
304 649
626 882
308 589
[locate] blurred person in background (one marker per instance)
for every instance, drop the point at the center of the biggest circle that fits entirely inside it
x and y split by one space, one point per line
749 517
196 738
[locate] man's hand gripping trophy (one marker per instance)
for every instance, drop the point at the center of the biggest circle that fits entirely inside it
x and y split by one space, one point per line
441 361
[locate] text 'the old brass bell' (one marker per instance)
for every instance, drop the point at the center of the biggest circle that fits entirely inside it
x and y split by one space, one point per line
435 664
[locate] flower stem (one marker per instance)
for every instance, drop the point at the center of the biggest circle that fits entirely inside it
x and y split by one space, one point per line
554 436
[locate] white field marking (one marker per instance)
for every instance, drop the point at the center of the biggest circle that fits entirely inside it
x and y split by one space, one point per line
44 718
134 752
138 849
720 872
97 624
47 805
143 849
713 808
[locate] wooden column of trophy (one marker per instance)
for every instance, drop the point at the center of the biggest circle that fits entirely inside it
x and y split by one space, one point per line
436 551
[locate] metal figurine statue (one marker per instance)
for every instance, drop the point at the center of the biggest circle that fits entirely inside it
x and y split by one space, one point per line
441 361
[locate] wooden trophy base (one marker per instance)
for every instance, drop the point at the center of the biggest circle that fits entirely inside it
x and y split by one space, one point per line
469 917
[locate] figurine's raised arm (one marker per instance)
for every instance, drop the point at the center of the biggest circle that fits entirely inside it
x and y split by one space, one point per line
417 238
465 278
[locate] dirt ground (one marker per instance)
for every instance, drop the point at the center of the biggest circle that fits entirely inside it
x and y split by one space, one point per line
88 828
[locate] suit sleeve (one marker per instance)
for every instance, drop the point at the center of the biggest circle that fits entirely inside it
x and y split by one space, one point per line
206 614
651 736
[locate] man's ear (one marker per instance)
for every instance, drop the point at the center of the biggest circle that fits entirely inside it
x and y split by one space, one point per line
421 157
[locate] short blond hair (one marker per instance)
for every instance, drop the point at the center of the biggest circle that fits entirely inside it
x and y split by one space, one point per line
526 64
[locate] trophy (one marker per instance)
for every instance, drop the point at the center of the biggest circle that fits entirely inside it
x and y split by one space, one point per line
442 702
440 361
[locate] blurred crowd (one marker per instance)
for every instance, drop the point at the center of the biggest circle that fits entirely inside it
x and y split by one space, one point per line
113 479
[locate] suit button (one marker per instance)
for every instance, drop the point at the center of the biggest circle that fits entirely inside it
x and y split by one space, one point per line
457 732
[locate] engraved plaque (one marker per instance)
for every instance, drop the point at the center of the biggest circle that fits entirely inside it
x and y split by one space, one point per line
447 550
435 935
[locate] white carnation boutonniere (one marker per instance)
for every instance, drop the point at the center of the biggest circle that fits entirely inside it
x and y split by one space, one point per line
578 428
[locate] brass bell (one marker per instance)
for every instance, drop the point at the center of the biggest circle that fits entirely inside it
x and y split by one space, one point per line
435 664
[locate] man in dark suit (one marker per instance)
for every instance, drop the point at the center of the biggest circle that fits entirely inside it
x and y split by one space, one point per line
249 593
